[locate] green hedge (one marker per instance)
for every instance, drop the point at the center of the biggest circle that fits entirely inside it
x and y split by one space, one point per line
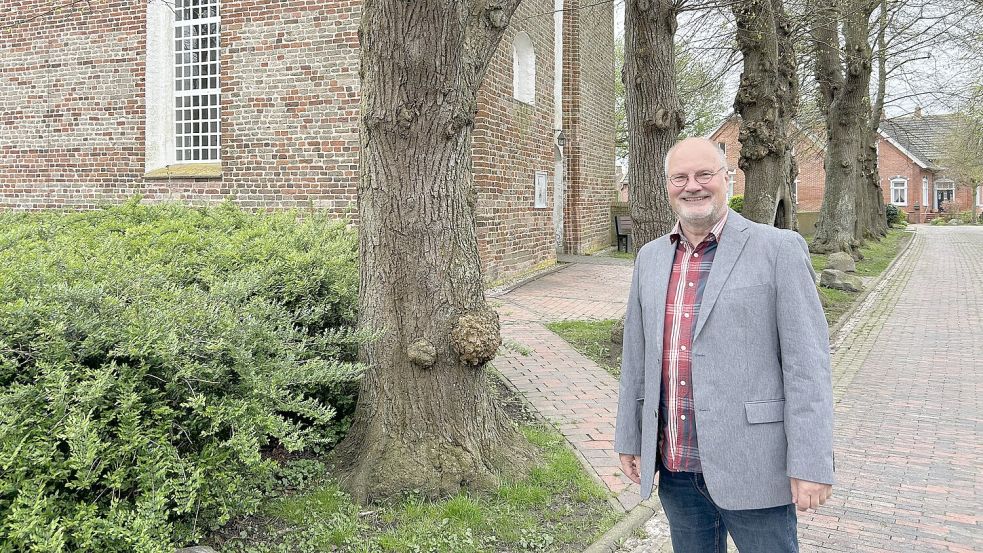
736 202
149 356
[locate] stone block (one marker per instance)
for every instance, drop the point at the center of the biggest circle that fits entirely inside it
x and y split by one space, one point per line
838 280
841 261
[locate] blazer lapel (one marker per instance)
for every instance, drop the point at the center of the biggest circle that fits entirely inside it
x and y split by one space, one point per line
729 248
663 270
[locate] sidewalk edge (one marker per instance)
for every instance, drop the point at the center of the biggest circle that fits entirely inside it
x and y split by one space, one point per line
837 326
635 518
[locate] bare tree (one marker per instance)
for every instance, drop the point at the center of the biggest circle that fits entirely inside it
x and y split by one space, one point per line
767 101
425 420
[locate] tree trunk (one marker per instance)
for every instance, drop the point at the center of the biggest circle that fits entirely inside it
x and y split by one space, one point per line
767 100
654 114
845 97
425 421
872 215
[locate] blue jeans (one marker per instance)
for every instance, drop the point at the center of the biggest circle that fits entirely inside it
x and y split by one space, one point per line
698 525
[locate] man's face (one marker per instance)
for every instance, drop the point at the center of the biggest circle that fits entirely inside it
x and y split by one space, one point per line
697 205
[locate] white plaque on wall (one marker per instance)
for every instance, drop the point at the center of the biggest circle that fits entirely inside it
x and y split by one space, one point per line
540 189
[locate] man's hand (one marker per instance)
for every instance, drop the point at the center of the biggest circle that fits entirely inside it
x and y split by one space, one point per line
805 494
630 465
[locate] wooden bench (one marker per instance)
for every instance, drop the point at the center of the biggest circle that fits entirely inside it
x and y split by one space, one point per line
622 229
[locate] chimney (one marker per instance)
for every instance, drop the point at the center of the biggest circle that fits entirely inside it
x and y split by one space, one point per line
918 112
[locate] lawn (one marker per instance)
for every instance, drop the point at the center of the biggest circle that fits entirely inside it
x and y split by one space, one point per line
557 507
591 338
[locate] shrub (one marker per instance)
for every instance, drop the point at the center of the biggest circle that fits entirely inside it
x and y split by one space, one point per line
938 221
736 202
890 213
149 354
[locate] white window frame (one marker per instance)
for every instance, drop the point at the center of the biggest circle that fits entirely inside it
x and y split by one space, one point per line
979 195
523 69
899 184
795 191
731 179
926 204
197 88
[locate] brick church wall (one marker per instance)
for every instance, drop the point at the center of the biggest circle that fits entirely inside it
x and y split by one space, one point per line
512 141
72 119
588 124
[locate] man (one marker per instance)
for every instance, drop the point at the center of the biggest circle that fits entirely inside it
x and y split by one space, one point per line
725 377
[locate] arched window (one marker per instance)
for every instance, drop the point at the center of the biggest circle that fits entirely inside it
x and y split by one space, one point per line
523 69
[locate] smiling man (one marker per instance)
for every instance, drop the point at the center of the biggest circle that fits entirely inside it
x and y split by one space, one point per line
725 379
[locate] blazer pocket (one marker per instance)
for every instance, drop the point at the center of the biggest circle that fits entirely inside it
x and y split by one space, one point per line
765 411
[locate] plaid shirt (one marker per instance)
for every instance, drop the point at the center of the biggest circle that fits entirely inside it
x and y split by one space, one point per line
690 270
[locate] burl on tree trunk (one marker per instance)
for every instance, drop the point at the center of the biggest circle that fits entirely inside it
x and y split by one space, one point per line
425 420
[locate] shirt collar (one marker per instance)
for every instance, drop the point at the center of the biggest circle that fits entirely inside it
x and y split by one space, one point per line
677 232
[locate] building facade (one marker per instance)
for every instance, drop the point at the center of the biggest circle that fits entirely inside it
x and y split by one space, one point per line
198 101
908 154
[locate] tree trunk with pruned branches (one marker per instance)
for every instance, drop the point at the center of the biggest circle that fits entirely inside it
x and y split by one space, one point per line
767 100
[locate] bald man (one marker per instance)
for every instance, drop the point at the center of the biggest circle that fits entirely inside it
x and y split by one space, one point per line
725 378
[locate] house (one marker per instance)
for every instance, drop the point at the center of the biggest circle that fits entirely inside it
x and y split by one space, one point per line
909 153
198 101
908 148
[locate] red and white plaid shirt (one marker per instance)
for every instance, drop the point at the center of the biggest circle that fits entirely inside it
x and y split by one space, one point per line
690 271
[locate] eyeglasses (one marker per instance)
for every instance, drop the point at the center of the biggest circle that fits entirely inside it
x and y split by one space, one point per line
701 177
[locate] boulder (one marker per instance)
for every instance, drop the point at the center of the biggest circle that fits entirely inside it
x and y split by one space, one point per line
955 222
838 280
841 261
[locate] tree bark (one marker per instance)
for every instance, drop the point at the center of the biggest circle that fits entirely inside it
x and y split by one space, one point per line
845 98
872 215
654 114
425 421
767 101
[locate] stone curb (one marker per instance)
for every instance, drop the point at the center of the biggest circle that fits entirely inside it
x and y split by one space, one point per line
612 539
503 289
868 290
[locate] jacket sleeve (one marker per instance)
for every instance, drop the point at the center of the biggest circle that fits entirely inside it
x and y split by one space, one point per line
628 427
804 347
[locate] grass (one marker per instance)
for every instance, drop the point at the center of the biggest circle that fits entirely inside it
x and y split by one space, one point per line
591 338
557 507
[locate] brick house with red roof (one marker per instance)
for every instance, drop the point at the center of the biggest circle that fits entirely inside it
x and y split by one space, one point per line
909 149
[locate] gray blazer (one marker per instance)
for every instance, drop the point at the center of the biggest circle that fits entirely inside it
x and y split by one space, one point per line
760 360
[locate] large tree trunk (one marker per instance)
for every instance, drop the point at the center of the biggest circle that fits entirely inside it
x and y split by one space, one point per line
425 421
845 97
767 100
654 114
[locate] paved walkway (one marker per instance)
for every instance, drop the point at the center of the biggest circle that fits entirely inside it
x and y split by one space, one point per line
567 388
908 386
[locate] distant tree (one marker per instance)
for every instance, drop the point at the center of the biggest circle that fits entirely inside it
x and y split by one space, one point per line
963 158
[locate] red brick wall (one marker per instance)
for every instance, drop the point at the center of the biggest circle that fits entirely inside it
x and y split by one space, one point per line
588 124
71 105
73 121
513 140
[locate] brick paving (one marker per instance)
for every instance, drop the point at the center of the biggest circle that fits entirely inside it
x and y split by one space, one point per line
566 387
908 387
